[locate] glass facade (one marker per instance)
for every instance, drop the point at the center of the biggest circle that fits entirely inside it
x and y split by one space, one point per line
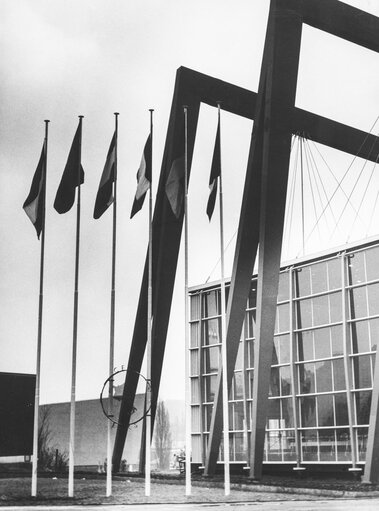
326 334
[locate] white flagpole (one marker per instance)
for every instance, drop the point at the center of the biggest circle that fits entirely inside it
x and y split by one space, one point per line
39 336
149 322
112 326
225 405
75 336
186 315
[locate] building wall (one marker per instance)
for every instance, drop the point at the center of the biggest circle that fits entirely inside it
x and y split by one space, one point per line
328 349
91 432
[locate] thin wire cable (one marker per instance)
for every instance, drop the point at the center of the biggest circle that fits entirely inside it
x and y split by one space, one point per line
355 185
219 259
289 195
347 171
373 211
292 198
311 187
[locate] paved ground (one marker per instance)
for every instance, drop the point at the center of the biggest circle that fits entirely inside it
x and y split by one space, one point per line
321 505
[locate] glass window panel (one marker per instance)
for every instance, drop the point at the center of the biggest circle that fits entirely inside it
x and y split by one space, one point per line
209 387
324 376
360 337
342 416
356 268
273 413
207 411
334 273
194 356
343 445
284 349
305 346
195 307
372 266
195 329
283 311
362 371
239 356
250 376
211 330
362 434
287 413
309 445
251 321
195 418
252 301
339 374
373 299
325 410
358 302
302 281
327 441
322 342
320 310
303 310
288 446
285 381
337 340
362 406
319 277
196 449
275 352
283 291
211 359
274 445
239 447
335 307
274 382
307 378
238 415
308 411
210 305
250 353
195 390
374 333
238 385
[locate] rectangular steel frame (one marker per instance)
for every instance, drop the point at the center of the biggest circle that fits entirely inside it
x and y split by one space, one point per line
263 203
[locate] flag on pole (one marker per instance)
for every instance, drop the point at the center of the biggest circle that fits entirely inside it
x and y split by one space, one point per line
104 197
34 204
175 186
65 196
143 178
215 174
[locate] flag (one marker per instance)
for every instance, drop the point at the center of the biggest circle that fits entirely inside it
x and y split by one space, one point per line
175 179
215 174
104 197
143 178
65 196
34 204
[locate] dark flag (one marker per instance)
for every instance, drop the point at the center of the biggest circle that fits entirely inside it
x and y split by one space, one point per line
143 178
34 204
175 179
104 197
71 178
215 174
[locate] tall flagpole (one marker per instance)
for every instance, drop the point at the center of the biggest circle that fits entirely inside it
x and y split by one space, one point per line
112 326
39 337
186 305
75 334
149 322
223 339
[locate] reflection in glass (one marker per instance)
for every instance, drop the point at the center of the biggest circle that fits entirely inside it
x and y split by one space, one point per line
320 310
274 382
373 299
342 416
362 406
339 374
356 268
283 291
319 277
238 415
285 381
322 342
209 387
337 340
195 418
195 329
194 355
238 385
251 318
324 376
335 305
327 442
334 273
211 359
362 443
309 445
287 413
360 337
304 313
211 330
372 267
307 378
283 312
305 345
195 307
195 390
358 302
284 348
325 410
239 447
343 445
210 305
308 411
362 371
302 281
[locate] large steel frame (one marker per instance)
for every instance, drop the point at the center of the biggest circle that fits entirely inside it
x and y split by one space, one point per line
262 210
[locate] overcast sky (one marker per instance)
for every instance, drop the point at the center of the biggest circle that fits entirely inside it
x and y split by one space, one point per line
94 57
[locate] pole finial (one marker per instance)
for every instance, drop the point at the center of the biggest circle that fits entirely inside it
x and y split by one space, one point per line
46 120
117 113
80 116
151 109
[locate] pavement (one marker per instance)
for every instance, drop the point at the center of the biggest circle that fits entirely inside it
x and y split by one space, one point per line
365 504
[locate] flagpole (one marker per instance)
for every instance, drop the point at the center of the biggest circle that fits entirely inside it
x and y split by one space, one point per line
223 338
112 326
186 305
39 335
75 333
149 323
